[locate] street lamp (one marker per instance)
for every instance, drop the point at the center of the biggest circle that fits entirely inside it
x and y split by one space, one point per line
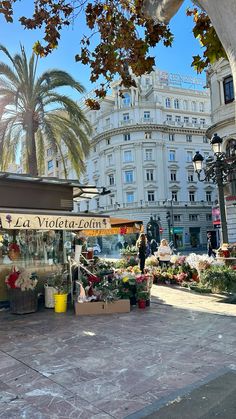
217 169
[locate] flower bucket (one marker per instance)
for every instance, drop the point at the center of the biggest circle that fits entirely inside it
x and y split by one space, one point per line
22 302
60 303
142 304
49 296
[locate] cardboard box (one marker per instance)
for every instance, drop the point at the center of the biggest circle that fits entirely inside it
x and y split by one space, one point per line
100 307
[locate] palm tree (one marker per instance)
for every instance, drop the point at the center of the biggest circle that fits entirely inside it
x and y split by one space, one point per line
34 114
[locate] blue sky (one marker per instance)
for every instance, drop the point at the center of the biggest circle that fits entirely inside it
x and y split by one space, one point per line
175 60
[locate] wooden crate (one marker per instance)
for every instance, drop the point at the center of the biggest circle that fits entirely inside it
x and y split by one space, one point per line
100 307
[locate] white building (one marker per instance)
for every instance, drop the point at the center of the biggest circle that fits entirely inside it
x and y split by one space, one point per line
220 82
142 150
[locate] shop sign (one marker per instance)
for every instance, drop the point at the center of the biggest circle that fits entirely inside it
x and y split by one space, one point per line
9 221
216 216
177 230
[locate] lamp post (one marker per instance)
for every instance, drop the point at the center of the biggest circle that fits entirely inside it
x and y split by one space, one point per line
217 169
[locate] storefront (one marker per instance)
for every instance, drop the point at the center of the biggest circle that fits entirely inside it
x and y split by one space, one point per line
37 223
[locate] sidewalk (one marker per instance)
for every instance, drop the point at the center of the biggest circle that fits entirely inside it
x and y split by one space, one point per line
101 367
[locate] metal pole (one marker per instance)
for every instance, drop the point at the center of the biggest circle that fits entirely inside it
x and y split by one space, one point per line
172 220
219 180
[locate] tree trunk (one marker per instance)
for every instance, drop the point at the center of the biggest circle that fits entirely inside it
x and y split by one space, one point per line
30 143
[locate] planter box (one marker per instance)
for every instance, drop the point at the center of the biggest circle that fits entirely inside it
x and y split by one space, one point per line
100 307
23 302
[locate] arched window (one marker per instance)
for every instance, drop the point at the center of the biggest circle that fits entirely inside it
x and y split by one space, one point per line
167 102
201 107
194 106
185 105
176 103
126 99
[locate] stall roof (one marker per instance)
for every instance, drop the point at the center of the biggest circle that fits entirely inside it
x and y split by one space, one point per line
79 191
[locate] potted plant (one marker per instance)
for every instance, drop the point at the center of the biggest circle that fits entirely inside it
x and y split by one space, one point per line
21 286
142 297
60 297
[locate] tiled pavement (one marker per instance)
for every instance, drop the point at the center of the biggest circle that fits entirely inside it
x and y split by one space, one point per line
62 366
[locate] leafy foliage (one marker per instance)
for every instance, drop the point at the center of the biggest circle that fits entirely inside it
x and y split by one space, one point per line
34 114
205 32
125 33
219 278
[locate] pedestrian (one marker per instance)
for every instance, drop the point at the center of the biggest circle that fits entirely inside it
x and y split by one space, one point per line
164 253
210 250
153 246
141 245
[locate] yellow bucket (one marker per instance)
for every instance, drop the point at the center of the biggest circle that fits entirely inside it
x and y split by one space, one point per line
60 303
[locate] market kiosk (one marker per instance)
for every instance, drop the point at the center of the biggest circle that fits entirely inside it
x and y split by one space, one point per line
37 222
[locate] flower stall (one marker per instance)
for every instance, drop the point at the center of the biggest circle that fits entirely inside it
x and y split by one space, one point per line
37 228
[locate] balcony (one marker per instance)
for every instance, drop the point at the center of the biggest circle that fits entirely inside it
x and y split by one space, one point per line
126 122
147 120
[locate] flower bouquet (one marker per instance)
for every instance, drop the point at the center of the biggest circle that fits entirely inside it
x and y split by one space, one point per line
21 290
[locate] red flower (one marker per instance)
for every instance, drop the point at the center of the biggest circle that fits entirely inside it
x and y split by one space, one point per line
11 279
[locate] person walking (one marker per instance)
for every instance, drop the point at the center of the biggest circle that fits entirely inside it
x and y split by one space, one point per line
164 253
141 245
210 250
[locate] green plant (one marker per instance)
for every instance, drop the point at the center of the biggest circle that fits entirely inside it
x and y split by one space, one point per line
59 280
219 278
142 295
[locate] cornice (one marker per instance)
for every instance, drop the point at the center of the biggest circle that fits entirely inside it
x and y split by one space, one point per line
149 128
220 124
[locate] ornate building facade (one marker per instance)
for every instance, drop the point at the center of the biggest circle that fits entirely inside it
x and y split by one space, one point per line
220 82
143 142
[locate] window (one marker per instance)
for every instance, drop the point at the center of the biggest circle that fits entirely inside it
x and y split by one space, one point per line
107 121
111 180
78 207
194 121
192 196
172 155
146 115
127 137
50 152
208 217
185 105
208 196
202 121
129 176
186 119
97 203
189 138
169 118
111 199
50 164
174 196
228 89
128 156
205 139
148 154
147 135
149 174
176 103
168 102
231 148
95 165
190 176
126 99
178 119
193 217
194 106
108 141
129 197
201 107
151 196
173 175
109 160
177 217
189 156
171 137
125 116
